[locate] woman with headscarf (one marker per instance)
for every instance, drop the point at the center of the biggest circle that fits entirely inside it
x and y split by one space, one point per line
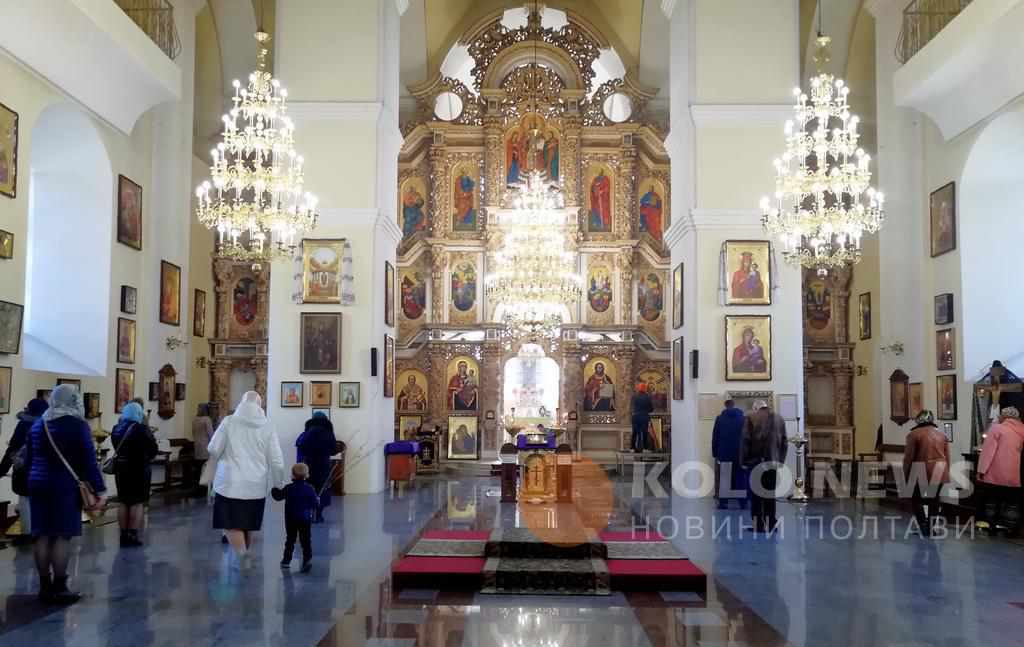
35 408
135 447
60 443
315 446
249 464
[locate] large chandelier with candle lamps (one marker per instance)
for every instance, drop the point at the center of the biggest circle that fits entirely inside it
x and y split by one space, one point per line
824 202
254 198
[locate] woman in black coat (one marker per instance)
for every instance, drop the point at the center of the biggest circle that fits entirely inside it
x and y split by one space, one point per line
136 448
315 447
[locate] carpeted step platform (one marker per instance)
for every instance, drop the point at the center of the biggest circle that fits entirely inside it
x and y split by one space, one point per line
455 573
656 575
503 575
524 543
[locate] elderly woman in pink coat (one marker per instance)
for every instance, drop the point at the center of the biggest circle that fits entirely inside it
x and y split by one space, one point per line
999 466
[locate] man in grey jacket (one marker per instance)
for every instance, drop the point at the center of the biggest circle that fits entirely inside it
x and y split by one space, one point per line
764 441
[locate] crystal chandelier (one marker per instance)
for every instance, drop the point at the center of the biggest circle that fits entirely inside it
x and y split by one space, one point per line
535 274
824 203
255 201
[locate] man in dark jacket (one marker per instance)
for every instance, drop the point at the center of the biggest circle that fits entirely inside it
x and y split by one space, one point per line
315 446
764 441
35 408
642 406
725 448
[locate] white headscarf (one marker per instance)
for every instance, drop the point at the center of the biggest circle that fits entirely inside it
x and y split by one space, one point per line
250 410
65 401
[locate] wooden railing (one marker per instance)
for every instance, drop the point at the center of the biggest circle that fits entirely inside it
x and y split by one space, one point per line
922 21
156 18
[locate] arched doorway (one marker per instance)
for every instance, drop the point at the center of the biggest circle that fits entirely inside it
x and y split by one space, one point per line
991 228
531 383
71 211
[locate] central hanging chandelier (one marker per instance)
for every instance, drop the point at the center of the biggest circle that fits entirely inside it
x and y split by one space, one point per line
534 280
824 202
535 275
256 201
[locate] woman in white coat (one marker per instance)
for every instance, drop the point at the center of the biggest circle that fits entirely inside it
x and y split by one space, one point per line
249 463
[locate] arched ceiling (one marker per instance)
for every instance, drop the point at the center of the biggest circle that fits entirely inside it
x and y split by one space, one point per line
636 29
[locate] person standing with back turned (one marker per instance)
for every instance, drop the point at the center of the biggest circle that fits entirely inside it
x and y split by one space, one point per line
642 406
764 441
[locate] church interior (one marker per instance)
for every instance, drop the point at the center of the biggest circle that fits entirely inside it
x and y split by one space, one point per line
566 279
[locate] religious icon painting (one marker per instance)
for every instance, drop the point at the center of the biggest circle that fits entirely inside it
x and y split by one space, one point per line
748 267
245 301
348 395
899 397
389 366
600 376
945 350
942 213
943 309
91 402
599 287
291 394
6 245
463 378
465 182
324 410
6 378
44 394
125 341
320 394
748 348
129 213
677 297
124 388
129 299
180 392
650 296
947 431
599 200
413 288
412 390
651 208
8 152
153 394
167 392
656 434
70 381
817 306
389 294
412 206
321 270
946 392
677 369
864 316
11 317
463 287
408 426
198 313
170 293
463 439
916 398
320 342
657 387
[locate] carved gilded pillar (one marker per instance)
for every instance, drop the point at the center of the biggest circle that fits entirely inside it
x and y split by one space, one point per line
627 379
262 327
220 386
439 264
222 272
259 367
570 399
441 221
438 387
624 260
569 160
625 223
494 161
844 397
490 391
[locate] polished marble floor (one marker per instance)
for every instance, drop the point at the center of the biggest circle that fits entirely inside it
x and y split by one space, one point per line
815 583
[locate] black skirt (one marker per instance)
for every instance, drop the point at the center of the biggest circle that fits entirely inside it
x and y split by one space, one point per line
133 483
237 514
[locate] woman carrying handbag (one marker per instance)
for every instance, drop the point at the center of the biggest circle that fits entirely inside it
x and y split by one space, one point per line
134 450
63 480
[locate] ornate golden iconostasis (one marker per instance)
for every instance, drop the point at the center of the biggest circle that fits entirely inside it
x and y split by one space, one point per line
533 105
828 364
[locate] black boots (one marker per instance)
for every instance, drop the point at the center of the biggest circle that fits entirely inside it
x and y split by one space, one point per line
55 591
130 539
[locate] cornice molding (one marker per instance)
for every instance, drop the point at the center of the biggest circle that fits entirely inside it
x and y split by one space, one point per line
667 7
388 225
402 6
725 218
678 230
737 114
335 110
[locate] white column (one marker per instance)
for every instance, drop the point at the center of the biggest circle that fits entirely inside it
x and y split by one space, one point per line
339 60
902 301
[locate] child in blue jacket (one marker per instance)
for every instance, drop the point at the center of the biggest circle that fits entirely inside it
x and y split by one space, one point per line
300 505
